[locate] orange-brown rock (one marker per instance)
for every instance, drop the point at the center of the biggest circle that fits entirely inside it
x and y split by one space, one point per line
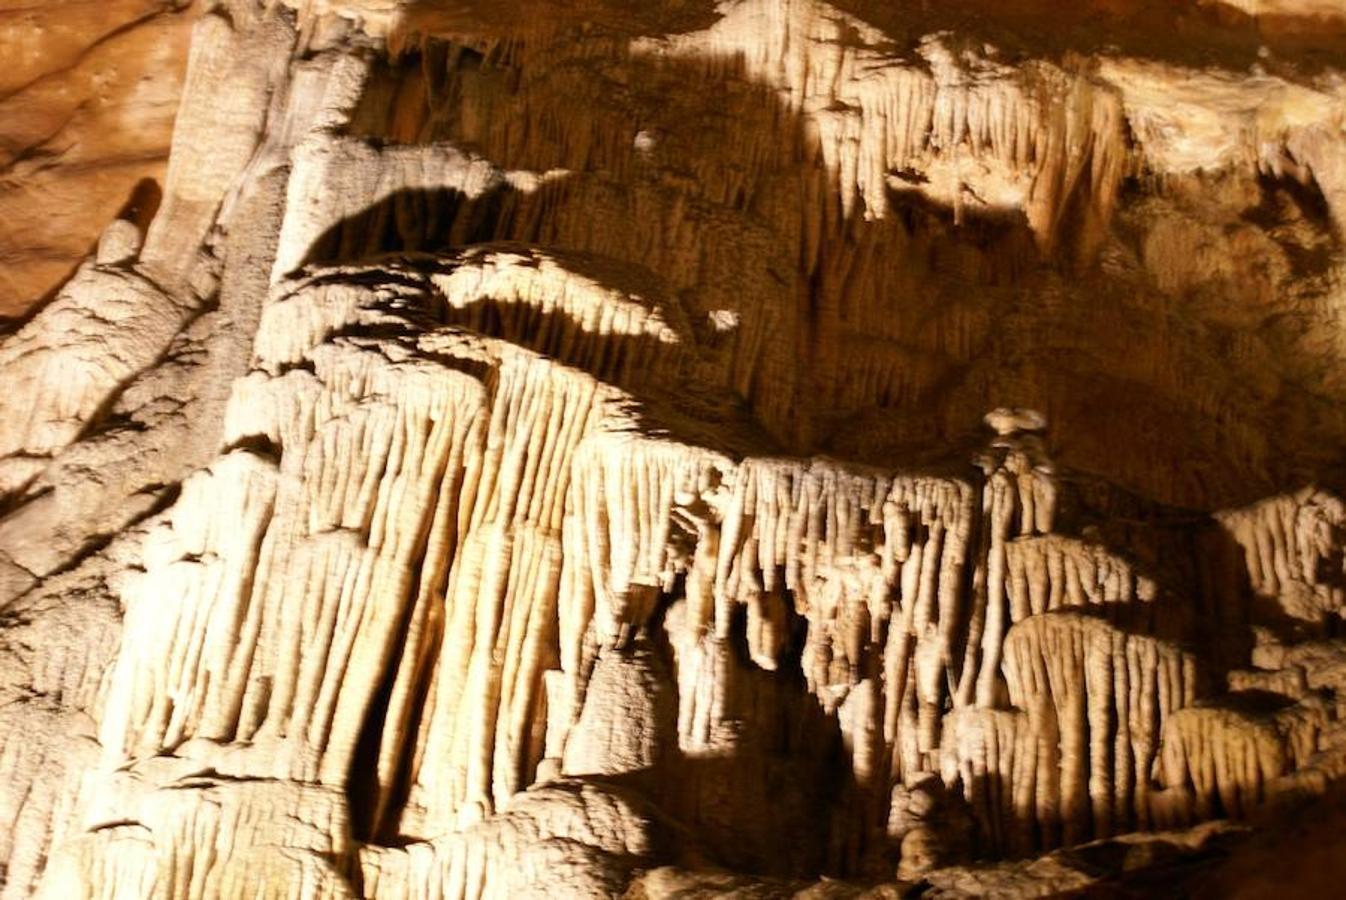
773 446
88 95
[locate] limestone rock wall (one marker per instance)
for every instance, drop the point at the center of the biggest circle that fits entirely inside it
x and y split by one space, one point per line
614 451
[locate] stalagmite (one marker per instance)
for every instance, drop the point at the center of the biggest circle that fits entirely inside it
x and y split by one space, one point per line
642 450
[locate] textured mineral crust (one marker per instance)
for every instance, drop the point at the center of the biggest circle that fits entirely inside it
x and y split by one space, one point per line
767 448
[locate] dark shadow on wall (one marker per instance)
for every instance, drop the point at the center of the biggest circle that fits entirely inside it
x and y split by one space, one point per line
424 221
765 800
628 359
143 203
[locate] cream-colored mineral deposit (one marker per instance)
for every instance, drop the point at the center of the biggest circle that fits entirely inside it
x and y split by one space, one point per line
761 448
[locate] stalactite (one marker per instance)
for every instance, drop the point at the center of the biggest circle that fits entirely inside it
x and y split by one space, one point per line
1292 546
1229 760
1097 701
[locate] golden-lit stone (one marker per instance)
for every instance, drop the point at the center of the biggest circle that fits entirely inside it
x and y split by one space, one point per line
617 449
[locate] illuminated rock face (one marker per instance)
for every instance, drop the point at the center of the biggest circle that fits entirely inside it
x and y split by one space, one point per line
693 449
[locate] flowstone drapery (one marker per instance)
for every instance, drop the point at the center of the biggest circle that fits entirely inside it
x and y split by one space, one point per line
702 448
